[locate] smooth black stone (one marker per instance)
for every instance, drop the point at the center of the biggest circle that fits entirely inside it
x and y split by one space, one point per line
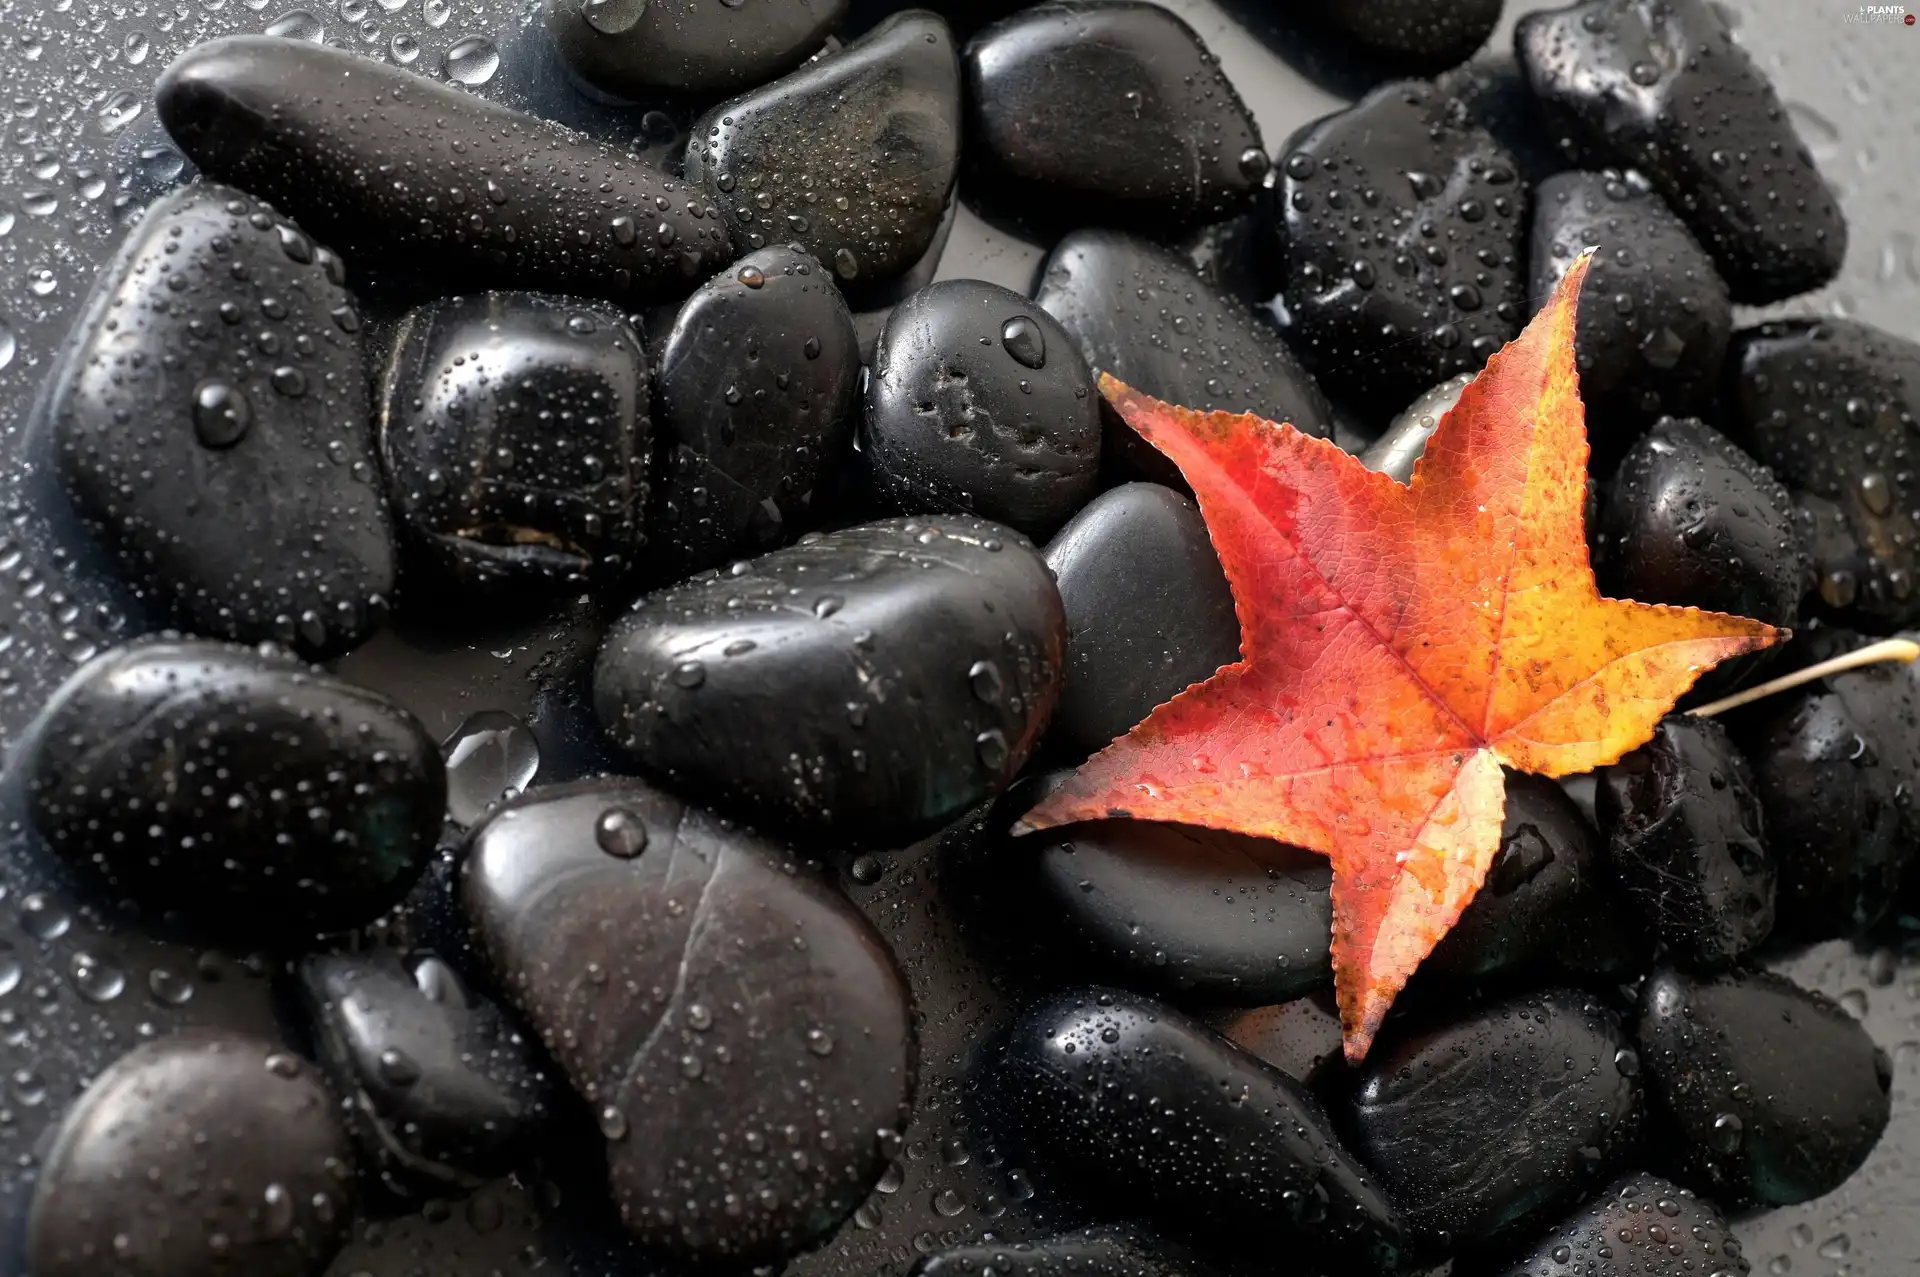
740 1031
1654 317
1693 521
1425 34
1140 313
756 396
1236 256
262 799
1778 1093
491 197
1115 105
1830 406
204 1153
1837 765
514 436
1181 910
1483 1128
851 158
1686 837
889 677
1397 450
1661 86
980 403
1401 228
1497 97
634 48
1301 1038
1641 1226
1149 612
1104 1251
1547 907
442 1092
209 421
1130 1105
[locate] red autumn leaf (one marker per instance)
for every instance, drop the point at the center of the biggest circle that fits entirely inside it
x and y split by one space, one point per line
1399 644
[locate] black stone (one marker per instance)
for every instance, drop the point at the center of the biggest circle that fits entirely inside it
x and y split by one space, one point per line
851 158
1495 93
1301 1038
634 48
1417 34
980 403
1830 405
1693 521
1641 1226
491 197
1401 221
1142 314
1186 911
1118 106
209 421
889 677
1837 765
442 1091
1103 1251
1397 450
1547 907
1661 86
740 1032
1132 1106
262 799
1778 1094
201 1154
1483 1128
1654 317
1685 835
756 395
514 435
1148 610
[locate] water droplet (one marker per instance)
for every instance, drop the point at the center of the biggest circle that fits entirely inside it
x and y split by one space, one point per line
97 979
298 24
1025 341
620 833
119 111
891 1178
689 674
1254 164
488 756
1644 73
825 606
991 746
437 982
289 381
947 1203
436 12
472 61
819 1041
398 1068
613 1122
699 1017
168 987
404 49
1728 1131
752 277
221 414
613 17
1626 1062
845 264
1875 494
988 686
1855 1003
42 917
866 870
10 969
277 1220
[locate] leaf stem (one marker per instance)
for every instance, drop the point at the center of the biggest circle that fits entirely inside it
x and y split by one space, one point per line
1902 650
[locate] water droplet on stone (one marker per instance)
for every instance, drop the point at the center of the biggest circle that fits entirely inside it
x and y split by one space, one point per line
221 414
613 17
620 833
168 987
984 678
1025 341
613 1122
865 870
472 61
1728 1130
991 746
489 754
97 979
298 24
689 674
819 1041
42 917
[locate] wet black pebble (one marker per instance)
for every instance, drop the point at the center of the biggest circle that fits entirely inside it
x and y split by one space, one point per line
756 396
1401 224
1685 835
1132 1106
1182 910
739 1031
262 799
202 1153
1778 1093
1654 317
634 49
442 1091
1837 765
1547 905
209 420
1831 406
1641 1226
492 196
980 402
1143 314
1117 106
890 676
1662 87
1301 1038
514 435
1693 521
1488 1125
851 157
1397 449
1148 609
1101 1251
1422 34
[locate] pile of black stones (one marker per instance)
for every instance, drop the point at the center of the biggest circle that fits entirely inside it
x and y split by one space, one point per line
759 981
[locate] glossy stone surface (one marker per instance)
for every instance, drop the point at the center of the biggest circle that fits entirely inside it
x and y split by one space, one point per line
1640 1226
514 434
1416 33
496 197
245 503
739 1032
1090 1252
633 48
